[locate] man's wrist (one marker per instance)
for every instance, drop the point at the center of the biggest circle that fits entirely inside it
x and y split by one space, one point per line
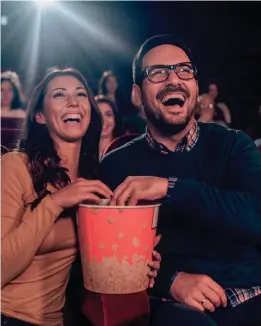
172 281
171 185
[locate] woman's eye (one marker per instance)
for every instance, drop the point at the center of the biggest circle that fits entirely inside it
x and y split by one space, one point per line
82 94
58 94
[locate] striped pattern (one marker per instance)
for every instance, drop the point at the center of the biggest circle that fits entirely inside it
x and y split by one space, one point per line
185 144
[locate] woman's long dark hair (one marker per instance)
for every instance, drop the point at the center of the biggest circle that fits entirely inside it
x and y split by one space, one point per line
36 142
102 82
118 130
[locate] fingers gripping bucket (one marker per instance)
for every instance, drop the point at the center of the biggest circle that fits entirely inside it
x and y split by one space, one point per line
116 244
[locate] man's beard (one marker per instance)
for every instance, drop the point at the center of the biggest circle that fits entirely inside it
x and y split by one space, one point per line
167 128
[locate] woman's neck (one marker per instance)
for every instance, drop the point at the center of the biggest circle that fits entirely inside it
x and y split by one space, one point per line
70 157
111 96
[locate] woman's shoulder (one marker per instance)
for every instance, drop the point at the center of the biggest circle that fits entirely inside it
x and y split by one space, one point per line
15 171
14 159
14 113
20 113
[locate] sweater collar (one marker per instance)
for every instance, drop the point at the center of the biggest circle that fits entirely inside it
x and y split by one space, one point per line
185 144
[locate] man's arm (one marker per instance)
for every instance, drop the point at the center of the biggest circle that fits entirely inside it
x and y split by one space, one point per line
236 212
113 171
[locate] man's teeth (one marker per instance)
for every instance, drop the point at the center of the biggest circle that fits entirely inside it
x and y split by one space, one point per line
73 117
173 96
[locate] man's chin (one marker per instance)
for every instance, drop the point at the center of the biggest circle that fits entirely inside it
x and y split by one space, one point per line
171 129
170 124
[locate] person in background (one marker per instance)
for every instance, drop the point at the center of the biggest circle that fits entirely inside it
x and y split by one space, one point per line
133 119
225 114
206 111
112 123
108 86
208 179
12 98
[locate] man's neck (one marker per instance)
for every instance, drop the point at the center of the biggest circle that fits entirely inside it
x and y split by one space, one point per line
142 114
170 142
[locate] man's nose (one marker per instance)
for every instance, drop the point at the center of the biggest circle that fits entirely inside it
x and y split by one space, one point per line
173 78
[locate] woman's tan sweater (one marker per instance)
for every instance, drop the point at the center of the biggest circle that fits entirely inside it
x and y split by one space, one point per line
37 250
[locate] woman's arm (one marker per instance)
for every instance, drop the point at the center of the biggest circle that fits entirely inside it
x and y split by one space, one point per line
23 230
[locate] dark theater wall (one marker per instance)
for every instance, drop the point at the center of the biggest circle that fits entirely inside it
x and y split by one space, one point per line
93 36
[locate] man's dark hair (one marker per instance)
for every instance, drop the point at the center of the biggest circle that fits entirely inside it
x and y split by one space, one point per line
150 44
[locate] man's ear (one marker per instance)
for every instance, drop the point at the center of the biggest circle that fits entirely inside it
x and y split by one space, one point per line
136 96
197 88
40 118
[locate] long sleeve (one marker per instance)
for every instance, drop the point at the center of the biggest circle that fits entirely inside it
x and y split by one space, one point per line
23 230
235 211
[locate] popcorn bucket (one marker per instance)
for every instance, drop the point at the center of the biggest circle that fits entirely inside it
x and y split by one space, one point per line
116 244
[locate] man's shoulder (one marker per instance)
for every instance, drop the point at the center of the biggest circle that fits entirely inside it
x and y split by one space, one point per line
118 164
126 151
216 131
225 139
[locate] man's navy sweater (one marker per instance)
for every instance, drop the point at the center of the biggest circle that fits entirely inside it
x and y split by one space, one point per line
211 220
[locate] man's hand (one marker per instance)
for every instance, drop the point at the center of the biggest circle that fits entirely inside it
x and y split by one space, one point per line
134 189
155 264
198 291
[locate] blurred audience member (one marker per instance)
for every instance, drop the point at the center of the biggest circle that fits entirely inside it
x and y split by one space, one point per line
213 92
12 98
207 111
108 86
112 123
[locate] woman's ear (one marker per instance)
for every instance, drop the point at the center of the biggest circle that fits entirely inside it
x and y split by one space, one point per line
40 118
136 96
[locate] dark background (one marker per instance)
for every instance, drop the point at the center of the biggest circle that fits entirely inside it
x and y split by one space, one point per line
93 36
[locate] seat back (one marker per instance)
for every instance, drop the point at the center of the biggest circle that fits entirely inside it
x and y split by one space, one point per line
258 144
10 131
119 141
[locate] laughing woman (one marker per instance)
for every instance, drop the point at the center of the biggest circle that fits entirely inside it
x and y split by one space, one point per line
55 168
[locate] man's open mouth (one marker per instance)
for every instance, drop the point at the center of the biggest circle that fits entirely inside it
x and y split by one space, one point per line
173 99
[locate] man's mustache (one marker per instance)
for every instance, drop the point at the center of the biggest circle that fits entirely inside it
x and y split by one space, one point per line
172 89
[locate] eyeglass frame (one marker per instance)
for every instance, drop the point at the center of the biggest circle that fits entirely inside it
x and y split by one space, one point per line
170 67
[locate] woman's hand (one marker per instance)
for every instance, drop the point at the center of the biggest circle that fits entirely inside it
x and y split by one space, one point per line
155 264
79 191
